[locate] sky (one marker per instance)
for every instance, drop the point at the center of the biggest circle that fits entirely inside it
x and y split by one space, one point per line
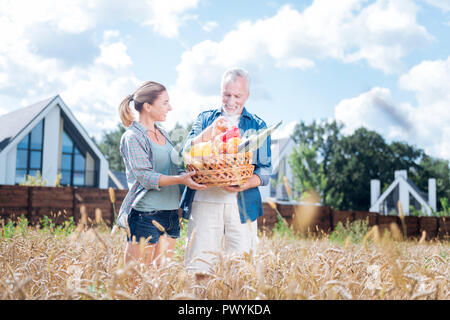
382 64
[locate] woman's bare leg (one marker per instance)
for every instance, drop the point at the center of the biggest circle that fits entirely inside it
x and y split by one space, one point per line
164 248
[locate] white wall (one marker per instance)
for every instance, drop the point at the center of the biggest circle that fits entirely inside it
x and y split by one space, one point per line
90 167
2 167
51 147
103 178
11 165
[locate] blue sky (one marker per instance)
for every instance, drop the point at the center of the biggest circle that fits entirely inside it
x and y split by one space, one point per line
381 64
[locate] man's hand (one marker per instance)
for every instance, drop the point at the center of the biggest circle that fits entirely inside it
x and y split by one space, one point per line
219 125
252 182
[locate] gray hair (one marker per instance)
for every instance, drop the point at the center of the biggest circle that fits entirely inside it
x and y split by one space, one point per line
231 74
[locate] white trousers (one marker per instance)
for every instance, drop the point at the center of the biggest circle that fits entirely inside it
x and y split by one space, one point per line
216 227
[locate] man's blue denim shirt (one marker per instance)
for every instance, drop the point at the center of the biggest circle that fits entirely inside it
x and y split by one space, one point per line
249 201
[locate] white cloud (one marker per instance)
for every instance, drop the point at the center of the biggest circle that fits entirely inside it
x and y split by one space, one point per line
114 55
284 131
373 109
349 31
167 16
93 90
444 5
66 16
210 26
426 124
298 63
430 80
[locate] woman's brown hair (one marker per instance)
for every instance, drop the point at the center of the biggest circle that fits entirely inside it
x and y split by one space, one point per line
147 92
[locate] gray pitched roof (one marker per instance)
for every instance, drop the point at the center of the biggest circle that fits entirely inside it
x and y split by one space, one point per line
11 124
121 177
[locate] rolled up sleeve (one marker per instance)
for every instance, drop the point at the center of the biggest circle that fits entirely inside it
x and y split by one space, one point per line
197 128
134 150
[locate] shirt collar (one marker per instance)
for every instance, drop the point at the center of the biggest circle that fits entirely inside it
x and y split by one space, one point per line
135 124
143 129
244 113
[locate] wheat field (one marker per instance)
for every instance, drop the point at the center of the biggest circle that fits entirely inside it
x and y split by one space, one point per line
88 264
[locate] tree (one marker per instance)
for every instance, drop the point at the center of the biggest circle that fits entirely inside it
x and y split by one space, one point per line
362 156
179 133
344 165
433 168
110 144
308 172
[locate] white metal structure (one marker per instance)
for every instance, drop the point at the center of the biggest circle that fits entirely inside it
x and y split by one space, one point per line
405 189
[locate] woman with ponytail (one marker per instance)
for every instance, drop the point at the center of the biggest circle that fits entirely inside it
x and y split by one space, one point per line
150 208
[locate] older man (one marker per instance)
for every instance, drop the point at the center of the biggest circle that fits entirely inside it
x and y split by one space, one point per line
225 216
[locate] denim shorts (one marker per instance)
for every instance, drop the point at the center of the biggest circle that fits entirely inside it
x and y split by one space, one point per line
141 224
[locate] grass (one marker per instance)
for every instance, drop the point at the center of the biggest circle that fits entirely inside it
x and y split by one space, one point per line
80 262
354 231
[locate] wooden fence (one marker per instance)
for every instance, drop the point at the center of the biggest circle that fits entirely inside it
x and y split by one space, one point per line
56 203
64 202
325 219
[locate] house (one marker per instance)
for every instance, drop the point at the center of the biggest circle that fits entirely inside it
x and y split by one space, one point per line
117 180
280 149
46 137
406 191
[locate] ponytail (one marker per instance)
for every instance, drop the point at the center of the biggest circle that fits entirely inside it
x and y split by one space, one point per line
125 111
148 92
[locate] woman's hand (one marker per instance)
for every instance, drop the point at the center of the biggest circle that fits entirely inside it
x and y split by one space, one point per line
186 179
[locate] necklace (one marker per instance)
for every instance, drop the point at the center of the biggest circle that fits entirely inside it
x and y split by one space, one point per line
156 135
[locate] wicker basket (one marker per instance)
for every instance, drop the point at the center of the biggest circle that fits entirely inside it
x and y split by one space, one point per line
222 169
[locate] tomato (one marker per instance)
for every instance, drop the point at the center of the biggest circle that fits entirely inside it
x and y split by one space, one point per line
233 132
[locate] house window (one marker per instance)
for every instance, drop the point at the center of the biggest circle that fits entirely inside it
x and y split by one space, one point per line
73 163
29 153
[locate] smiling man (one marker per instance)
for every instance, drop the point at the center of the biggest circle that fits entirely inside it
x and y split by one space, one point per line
225 215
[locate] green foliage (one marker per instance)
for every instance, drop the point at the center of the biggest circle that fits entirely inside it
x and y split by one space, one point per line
37 180
178 135
22 226
9 230
317 142
282 229
65 229
414 212
341 166
309 173
110 144
355 230
433 168
181 241
445 211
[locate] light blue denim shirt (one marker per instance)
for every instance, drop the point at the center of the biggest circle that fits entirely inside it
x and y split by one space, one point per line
249 201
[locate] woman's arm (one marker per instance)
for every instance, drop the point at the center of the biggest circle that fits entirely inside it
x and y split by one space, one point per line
137 156
184 178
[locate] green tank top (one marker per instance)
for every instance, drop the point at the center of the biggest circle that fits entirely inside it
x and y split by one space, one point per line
168 197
